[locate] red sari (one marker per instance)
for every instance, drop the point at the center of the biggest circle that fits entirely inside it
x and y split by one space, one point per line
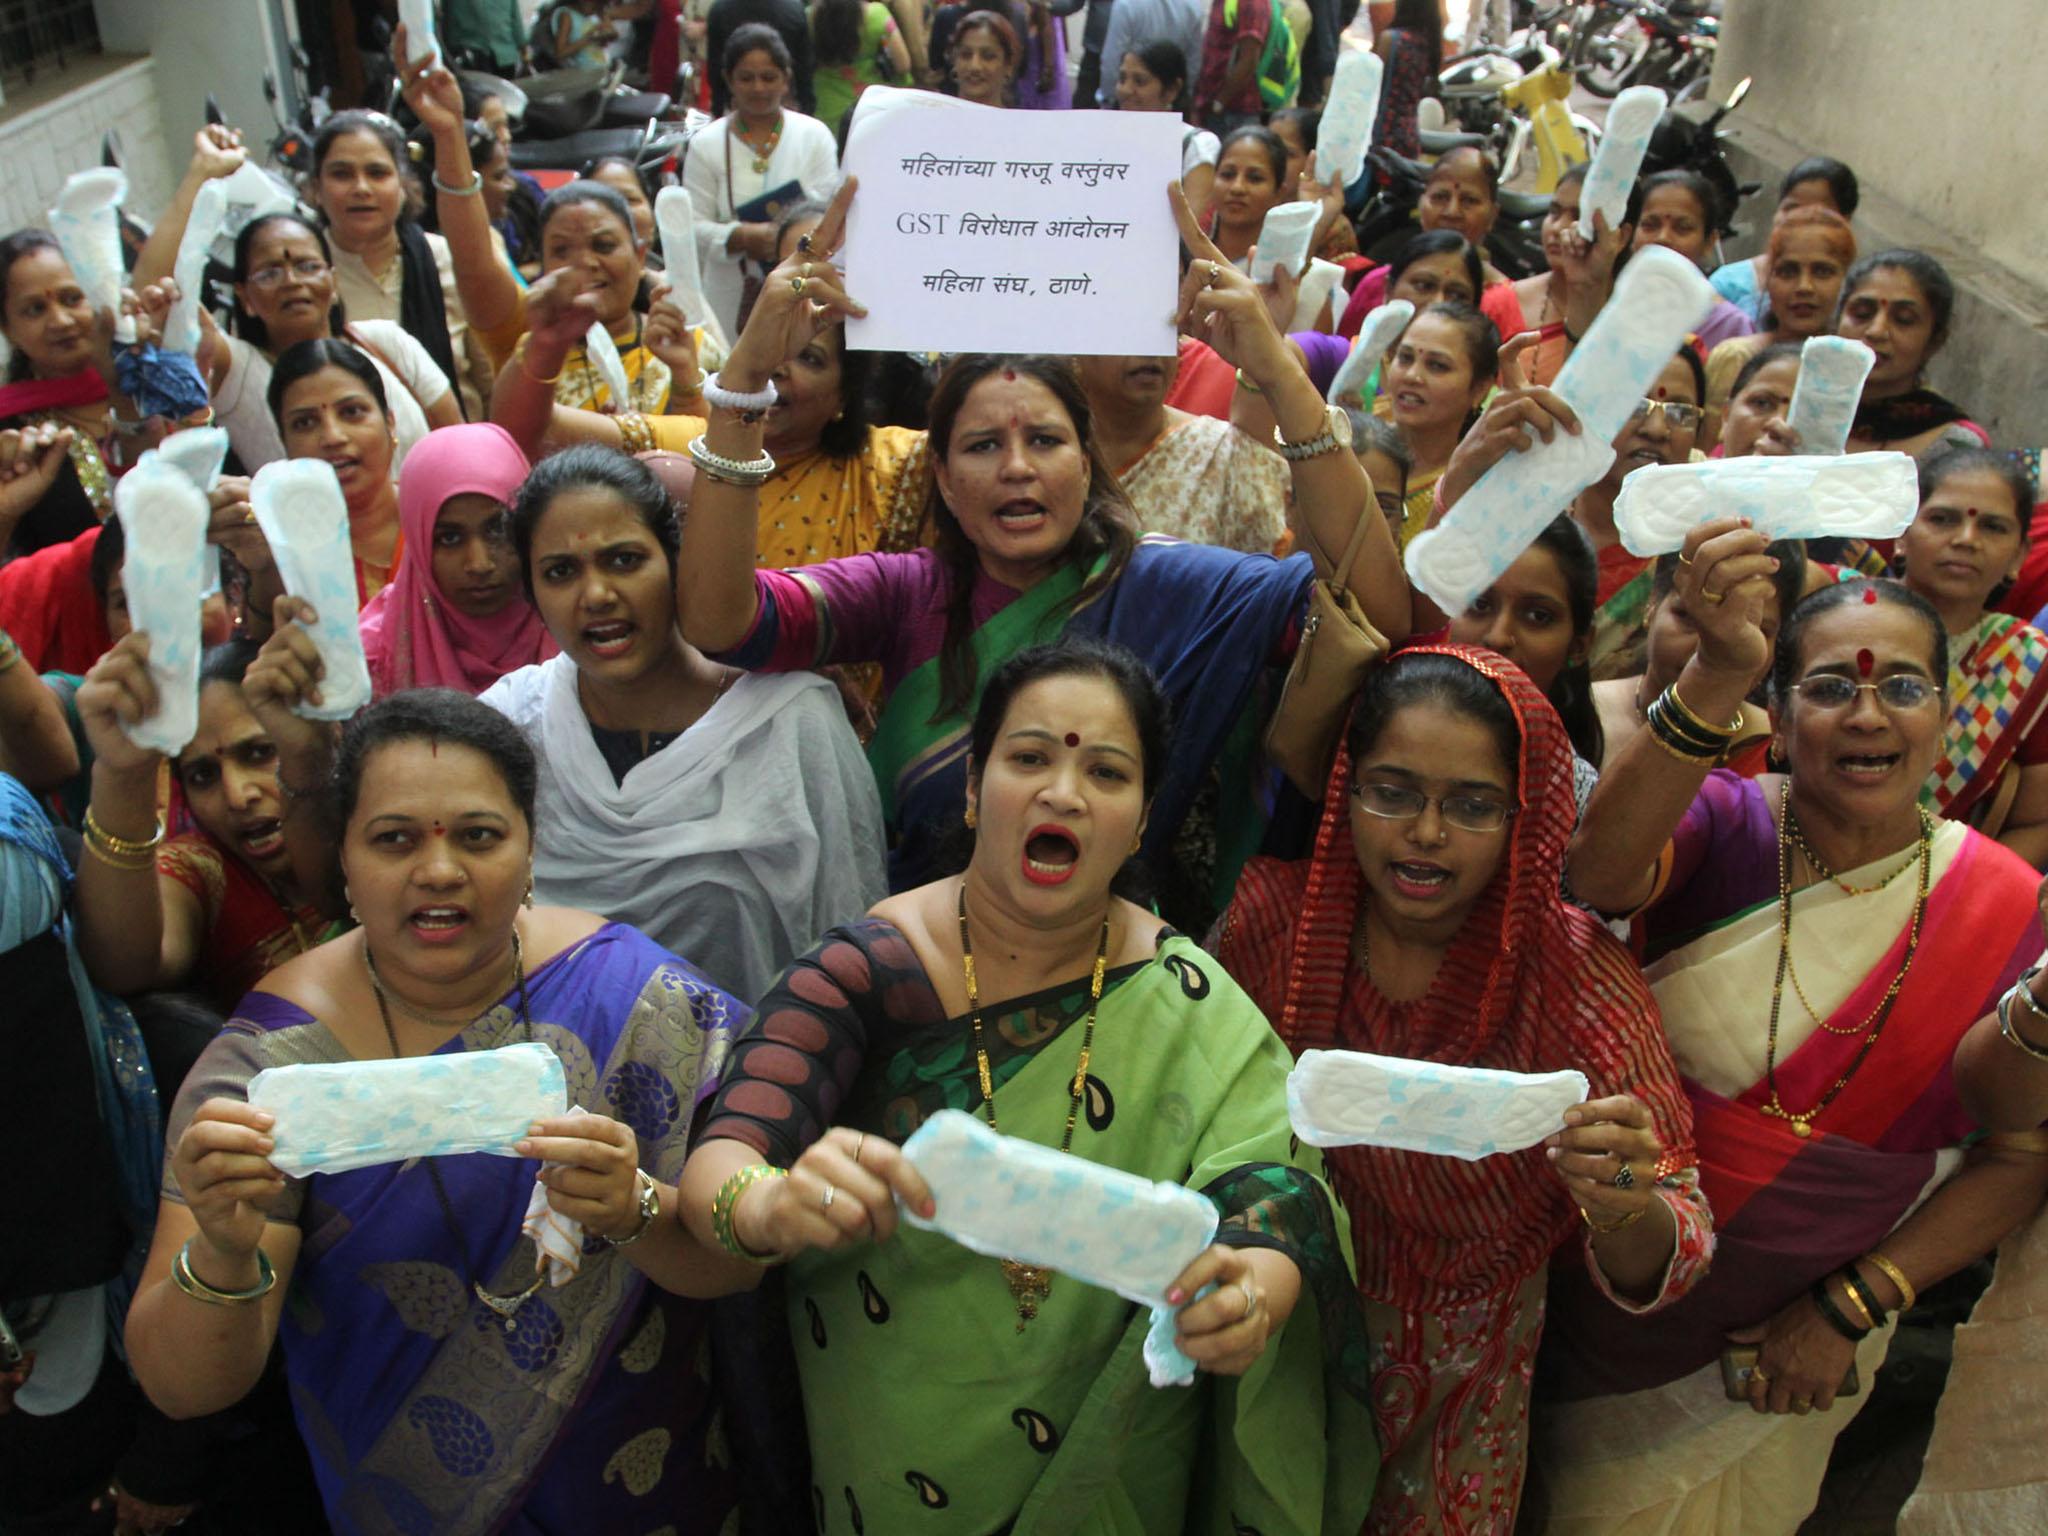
1453 1256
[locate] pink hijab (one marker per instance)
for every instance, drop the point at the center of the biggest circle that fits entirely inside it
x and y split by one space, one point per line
413 636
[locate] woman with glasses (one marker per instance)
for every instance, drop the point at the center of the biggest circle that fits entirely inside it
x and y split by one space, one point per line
1819 946
1428 925
1960 553
284 294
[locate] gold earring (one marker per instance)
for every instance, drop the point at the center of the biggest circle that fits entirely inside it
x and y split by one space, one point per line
969 818
1137 842
529 890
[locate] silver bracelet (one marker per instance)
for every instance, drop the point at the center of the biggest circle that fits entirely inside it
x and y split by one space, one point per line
725 399
476 185
750 474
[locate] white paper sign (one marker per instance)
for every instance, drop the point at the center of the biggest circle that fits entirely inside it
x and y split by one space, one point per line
1345 133
995 231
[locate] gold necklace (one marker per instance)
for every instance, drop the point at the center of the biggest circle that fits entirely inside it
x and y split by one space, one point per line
1030 1284
766 153
1874 1022
504 1307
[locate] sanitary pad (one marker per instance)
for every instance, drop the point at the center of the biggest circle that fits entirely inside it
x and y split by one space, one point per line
1376 334
87 224
1831 374
603 353
1658 299
1345 133
1014 1199
332 1117
166 572
1612 175
1284 238
1352 1098
300 508
417 16
1866 495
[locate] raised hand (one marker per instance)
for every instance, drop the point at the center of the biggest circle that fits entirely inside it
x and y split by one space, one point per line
223 1168
1224 308
432 92
668 337
31 458
287 673
1724 581
842 1191
802 297
216 151
117 692
1601 1138
1517 417
559 314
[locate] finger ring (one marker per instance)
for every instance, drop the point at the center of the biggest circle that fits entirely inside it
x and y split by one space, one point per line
807 269
1684 559
1802 1405
803 245
1760 1376
1713 599
860 1139
1215 272
825 1200
1251 1298
796 285
1626 1178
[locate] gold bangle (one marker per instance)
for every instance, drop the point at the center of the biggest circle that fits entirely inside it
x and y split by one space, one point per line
526 368
188 1282
1687 714
1606 1229
1856 1301
1247 385
1690 759
127 845
727 1200
127 864
1897 1276
636 433
10 653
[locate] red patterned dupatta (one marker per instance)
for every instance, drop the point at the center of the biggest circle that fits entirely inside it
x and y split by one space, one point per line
1996 693
1789 1209
1529 984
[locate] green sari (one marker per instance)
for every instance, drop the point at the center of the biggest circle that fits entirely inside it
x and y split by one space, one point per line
932 1409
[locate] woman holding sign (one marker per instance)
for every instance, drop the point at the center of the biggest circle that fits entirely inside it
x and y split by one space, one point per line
441 1382
1033 537
1826 956
1019 1394
1428 925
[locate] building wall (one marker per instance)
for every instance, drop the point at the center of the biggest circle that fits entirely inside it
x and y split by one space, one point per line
43 145
221 46
1939 106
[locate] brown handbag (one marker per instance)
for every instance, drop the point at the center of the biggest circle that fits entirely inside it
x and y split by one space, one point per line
1338 646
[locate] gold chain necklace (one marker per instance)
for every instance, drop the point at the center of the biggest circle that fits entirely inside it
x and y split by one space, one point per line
1030 1283
505 1307
1874 1022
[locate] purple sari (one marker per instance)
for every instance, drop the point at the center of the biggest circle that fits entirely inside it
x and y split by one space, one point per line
421 1412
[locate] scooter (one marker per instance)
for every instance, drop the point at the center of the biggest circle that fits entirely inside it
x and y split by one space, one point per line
1387 220
1563 138
565 119
1669 44
1678 142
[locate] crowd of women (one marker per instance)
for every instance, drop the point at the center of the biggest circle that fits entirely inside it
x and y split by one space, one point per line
810 740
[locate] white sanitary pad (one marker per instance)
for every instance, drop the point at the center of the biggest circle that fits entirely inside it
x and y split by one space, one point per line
166 572
1658 299
1345 133
1376 334
1866 495
603 353
1352 1098
1612 175
1014 1199
300 508
1831 374
331 1117
417 16
87 224
676 221
1283 240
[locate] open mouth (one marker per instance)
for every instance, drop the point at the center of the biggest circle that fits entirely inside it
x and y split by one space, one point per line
1868 765
1643 456
437 925
1021 516
1418 880
262 839
345 466
1410 400
610 639
1051 854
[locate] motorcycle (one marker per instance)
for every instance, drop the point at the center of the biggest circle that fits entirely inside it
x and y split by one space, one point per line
1680 142
1512 97
1387 221
1669 44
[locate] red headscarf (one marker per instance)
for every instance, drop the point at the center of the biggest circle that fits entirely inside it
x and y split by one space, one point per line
1530 984
412 635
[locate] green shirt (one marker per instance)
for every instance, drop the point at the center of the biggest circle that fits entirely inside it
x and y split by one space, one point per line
496 26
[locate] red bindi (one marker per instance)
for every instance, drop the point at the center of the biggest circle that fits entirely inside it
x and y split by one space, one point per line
1870 594
1865 662
439 830
1970 513
1010 374
1073 740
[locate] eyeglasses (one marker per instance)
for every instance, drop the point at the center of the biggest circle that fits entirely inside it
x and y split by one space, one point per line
307 269
1468 813
1898 693
1677 415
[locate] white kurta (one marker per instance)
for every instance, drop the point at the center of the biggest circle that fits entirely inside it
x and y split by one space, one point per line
719 183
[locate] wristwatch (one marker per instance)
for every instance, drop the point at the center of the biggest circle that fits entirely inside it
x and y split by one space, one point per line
1336 434
650 1207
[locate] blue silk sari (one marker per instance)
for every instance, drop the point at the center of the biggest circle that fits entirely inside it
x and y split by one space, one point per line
422 1411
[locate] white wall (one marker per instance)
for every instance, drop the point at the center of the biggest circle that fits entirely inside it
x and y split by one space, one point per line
45 144
222 46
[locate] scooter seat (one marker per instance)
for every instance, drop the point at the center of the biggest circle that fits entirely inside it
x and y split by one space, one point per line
635 107
1519 207
1442 142
573 151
